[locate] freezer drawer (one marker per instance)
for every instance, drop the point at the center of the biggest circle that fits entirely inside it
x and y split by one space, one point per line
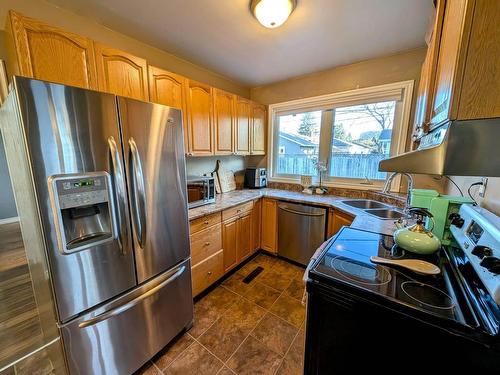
122 335
301 230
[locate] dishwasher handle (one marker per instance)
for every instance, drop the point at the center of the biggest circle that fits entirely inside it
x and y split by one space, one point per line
284 208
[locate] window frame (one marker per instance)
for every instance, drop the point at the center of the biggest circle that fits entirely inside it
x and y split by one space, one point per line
402 92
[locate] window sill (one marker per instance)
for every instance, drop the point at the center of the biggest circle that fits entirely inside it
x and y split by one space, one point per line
376 186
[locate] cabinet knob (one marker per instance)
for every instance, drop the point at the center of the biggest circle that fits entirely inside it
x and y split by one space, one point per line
209 273
206 222
207 243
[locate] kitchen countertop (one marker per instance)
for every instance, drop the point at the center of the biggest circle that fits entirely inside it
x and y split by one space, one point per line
362 220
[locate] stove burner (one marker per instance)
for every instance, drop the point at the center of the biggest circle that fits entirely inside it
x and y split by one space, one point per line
427 295
360 272
397 252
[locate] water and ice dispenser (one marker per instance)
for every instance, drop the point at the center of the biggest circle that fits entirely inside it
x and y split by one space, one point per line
83 209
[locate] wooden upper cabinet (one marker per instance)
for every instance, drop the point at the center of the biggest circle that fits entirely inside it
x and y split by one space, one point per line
258 130
450 64
480 97
51 54
200 127
427 75
223 122
121 73
243 122
167 88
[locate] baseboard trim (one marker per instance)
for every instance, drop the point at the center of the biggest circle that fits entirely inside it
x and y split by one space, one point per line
9 220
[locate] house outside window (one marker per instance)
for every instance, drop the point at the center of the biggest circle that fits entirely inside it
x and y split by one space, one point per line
350 132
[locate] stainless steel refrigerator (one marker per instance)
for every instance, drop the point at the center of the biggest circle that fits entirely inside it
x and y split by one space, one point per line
108 178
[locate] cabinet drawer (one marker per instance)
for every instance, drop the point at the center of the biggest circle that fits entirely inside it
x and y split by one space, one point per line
205 243
236 211
207 272
204 222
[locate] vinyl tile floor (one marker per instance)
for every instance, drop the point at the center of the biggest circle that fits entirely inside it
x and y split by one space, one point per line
255 328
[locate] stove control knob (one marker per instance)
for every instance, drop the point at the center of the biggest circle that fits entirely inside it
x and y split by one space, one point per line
456 220
482 251
492 264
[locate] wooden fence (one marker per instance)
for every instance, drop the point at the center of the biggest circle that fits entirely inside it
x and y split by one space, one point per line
341 165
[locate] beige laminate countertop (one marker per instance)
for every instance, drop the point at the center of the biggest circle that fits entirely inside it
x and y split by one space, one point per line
362 220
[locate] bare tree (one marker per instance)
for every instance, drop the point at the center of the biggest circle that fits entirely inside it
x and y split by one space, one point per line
382 113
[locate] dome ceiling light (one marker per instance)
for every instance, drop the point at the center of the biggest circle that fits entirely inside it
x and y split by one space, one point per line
272 13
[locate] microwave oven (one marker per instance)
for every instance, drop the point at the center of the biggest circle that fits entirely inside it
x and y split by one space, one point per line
201 190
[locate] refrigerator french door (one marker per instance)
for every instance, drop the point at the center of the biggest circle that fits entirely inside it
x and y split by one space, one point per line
154 153
109 181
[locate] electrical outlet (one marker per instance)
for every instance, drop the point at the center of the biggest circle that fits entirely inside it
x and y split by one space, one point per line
482 188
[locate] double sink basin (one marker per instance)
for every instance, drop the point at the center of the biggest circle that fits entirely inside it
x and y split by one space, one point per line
374 208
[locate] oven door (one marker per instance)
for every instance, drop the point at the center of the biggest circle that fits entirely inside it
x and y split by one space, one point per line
119 337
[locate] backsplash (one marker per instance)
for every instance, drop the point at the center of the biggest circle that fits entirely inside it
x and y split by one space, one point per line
391 199
491 200
199 166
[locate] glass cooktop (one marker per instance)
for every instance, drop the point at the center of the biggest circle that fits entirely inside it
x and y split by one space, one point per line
347 261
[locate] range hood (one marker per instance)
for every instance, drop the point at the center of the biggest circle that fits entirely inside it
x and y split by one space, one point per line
457 148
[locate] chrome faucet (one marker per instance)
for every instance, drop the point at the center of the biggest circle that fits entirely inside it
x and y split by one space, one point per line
388 183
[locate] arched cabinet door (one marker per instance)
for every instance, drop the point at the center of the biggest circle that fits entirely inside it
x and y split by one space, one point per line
121 73
51 54
200 119
258 133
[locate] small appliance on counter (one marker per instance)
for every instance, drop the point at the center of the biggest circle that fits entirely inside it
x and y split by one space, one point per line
256 178
359 311
442 208
201 190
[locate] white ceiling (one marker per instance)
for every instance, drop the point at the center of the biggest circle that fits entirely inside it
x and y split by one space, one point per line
223 36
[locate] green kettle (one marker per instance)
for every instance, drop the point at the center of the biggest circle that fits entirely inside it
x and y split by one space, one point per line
416 238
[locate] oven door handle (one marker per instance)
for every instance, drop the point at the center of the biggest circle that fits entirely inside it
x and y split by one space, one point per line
127 306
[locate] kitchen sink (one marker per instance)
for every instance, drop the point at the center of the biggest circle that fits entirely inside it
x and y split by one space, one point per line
364 203
385 213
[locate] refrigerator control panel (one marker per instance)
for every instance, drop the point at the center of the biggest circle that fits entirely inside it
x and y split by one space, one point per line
83 210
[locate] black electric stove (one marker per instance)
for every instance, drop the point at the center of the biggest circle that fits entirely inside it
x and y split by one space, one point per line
360 312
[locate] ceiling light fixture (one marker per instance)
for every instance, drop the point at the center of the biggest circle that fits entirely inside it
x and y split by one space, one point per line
272 13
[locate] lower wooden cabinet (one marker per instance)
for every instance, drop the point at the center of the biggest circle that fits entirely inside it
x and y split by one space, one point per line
205 243
237 240
244 234
336 220
230 243
207 272
269 225
256 223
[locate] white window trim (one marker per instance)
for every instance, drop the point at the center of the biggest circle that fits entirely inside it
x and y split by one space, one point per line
401 91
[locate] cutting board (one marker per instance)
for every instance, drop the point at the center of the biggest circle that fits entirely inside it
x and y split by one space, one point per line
226 178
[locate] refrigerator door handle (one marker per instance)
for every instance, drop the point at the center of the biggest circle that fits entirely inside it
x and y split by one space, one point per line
138 194
119 185
120 309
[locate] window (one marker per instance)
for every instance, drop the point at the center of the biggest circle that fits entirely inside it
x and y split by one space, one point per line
349 133
298 143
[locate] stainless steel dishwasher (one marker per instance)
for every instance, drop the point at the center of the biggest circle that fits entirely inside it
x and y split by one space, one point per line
301 230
